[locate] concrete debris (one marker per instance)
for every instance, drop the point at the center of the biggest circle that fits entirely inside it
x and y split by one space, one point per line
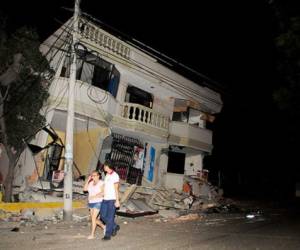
28 216
39 197
128 193
27 213
48 214
163 199
196 196
188 217
168 203
135 208
45 185
80 218
53 186
169 214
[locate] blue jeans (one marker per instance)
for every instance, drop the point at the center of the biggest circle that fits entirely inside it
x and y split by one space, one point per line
107 214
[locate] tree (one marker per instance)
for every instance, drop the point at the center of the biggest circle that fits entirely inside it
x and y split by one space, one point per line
287 95
288 44
23 91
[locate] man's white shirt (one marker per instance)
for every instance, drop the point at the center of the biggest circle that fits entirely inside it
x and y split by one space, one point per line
109 185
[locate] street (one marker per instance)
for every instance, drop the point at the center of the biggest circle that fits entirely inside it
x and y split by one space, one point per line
274 229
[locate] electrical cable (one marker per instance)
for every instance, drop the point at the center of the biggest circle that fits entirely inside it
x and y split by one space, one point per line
160 77
153 50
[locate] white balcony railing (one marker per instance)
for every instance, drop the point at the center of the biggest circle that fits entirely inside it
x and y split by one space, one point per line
102 39
136 112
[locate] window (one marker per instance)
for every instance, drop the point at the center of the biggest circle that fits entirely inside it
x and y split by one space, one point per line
138 96
52 162
176 162
94 70
190 116
180 116
195 118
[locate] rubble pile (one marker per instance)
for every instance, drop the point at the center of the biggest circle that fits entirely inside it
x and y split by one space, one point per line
45 191
196 197
140 200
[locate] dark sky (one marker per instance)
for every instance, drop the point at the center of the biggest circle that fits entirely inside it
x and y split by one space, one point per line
231 42
220 39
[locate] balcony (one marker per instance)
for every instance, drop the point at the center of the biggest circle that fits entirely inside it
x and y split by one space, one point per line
89 101
144 115
99 104
139 118
102 39
182 133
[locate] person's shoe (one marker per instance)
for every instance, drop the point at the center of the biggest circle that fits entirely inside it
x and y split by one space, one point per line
115 231
106 238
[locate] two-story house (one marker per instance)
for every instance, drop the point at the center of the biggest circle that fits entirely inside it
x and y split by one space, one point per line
129 108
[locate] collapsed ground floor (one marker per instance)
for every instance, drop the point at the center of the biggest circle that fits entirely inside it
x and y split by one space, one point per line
139 158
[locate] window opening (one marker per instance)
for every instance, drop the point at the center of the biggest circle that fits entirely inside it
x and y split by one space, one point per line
139 96
176 162
95 71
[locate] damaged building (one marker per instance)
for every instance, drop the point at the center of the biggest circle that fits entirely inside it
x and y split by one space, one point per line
130 107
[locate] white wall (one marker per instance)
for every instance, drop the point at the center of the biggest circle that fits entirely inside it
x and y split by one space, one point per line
193 163
174 181
162 171
185 130
158 167
164 106
83 104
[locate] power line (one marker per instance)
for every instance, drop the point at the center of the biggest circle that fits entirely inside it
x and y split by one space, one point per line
158 76
132 42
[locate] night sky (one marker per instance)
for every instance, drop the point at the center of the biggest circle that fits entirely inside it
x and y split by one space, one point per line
231 42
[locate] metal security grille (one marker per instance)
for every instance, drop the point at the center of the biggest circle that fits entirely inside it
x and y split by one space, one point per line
122 158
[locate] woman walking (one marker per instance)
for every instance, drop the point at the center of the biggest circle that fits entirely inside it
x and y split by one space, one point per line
94 186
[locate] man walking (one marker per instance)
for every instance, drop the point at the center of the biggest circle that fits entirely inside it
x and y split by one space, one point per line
110 201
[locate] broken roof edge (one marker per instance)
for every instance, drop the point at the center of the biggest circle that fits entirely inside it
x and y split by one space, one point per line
161 58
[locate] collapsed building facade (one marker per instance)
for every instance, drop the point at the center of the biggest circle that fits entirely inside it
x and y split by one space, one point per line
129 108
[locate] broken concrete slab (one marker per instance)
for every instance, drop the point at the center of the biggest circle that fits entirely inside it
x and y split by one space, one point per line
39 197
168 213
141 205
42 214
188 217
27 213
128 193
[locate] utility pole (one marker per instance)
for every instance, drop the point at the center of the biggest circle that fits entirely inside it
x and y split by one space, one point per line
68 167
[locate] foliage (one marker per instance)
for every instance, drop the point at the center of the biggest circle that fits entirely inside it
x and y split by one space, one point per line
288 43
287 95
28 92
23 90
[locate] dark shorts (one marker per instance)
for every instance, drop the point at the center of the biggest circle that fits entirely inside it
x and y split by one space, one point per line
96 205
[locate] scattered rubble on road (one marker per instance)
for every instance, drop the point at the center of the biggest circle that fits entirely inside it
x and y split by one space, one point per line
197 198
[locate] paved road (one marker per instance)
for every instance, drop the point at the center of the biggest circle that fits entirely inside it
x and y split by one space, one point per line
273 230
